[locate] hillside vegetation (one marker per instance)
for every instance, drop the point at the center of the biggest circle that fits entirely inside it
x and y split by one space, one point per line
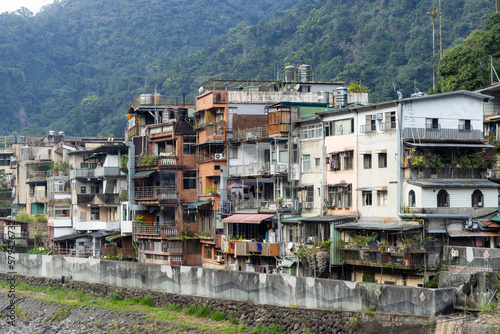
76 66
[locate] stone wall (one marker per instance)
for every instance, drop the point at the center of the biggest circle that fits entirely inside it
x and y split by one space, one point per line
256 288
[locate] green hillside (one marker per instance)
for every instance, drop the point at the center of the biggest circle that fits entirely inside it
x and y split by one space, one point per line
77 65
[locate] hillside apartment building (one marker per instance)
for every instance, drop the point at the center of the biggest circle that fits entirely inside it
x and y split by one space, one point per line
259 170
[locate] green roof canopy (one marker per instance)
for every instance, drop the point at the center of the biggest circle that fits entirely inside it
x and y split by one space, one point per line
196 204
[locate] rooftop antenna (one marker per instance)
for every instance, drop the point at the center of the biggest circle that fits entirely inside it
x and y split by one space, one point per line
415 89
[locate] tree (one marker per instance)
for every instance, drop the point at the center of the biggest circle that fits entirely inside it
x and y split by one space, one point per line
432 16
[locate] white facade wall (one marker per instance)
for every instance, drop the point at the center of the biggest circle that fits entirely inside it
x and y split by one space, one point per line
313 177
460 197
449 109
378 178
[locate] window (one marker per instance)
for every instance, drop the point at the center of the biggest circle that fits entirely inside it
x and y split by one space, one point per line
382 197
477 199
367 198
348 160
61 213
339 197
83 190
306 163
312 131
432 124
59 186
189 216
189 181
176 258
94 213
94 189
464 125
310 194
189 146
411 199
208 252
443 199
340 127
125 212
317 162
390 120
382 160
37 208
367 161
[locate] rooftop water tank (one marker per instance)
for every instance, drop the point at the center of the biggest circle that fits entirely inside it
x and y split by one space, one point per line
289 74
340 97
305 73
52 133
146 99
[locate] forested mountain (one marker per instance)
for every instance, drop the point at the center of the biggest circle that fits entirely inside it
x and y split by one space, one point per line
76 66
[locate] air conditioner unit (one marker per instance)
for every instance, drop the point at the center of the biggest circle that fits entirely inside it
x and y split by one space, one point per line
219 156
454 253
380 117
219 258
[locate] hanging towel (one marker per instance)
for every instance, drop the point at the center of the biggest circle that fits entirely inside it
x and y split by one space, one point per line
259 246
267 236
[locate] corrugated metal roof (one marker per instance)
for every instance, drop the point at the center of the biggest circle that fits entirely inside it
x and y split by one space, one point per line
454 183
197 204
381 225
140 175
247 218
330 218
470 145
469 234
490 224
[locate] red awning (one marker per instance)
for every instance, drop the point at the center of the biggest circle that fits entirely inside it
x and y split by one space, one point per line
247 218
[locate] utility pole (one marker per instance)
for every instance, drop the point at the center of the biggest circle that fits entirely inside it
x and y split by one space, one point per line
433 15
441 33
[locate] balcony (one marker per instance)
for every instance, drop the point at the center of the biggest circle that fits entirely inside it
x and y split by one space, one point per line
37 194
149 162
367 128
144 229
388 126
249 248
412 259
93 225
256 133
38 176
452 173
151 193
439 133
81 173
264 205
102 172
98 199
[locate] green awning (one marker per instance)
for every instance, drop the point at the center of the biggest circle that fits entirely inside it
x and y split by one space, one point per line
111 237
287 263
496 219
140 175
197 204
292 219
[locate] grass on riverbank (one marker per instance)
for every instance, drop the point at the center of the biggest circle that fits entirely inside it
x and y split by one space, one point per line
196 315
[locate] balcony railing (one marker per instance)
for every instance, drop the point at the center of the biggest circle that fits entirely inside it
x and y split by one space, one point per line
442 133
148 229
157 161
34 176
106 171
366 257
156 193
264 168
365 128
388 126
452 173
264 205
81 173
256 133
38 193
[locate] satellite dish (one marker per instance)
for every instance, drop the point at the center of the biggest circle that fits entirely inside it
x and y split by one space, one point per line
296 87
200 89
290 245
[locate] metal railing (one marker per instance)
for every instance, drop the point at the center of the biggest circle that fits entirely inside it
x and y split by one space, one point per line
255 133
386 126
481 264
152 230
365 128
39 175
453 173
152 193
384 258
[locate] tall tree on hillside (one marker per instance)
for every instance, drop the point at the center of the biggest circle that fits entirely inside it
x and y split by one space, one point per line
440 32
432 16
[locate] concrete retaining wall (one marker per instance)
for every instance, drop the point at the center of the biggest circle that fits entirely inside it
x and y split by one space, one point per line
279 290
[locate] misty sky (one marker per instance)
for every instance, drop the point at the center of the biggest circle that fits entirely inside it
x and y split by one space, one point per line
13 5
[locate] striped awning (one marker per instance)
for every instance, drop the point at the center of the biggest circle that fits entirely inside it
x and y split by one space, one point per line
247 218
